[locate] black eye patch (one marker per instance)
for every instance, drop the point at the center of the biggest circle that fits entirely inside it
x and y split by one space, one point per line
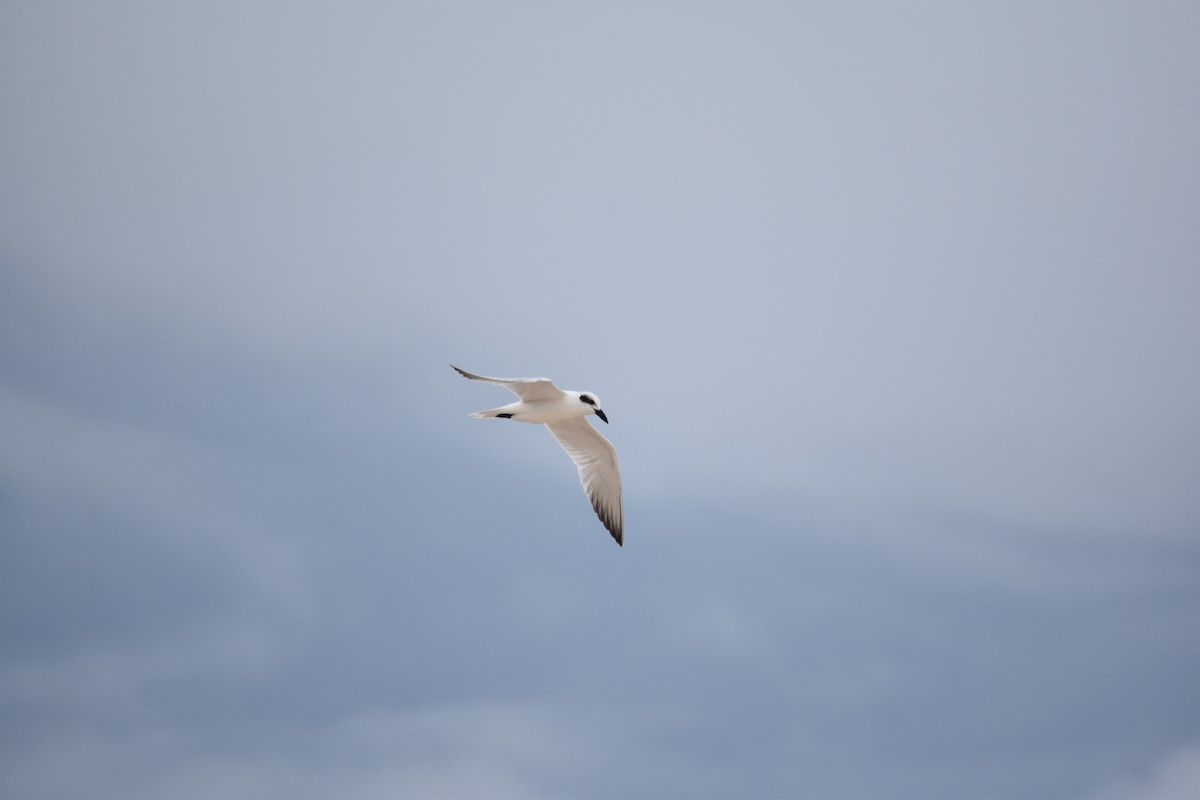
585 399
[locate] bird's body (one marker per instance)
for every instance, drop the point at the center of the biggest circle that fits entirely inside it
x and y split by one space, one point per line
564 412
538 412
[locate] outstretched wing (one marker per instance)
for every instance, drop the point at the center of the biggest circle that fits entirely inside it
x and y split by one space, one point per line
525 388
599 471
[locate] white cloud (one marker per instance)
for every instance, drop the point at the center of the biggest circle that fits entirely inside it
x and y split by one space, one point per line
488 750
1175 776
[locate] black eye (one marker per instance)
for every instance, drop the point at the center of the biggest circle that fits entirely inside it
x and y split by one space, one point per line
584 398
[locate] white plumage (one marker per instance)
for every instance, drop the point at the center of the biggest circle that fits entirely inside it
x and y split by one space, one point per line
564 412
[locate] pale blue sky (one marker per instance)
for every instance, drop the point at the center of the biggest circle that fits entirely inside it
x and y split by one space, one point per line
893 311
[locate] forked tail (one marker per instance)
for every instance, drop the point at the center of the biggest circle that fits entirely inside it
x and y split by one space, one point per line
493 413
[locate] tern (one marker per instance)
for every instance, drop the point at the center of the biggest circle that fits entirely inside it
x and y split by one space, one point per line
563 413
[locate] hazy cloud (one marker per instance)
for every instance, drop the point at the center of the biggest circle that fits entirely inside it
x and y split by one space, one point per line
893 313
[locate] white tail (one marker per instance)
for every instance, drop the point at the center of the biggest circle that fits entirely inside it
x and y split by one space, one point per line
491 413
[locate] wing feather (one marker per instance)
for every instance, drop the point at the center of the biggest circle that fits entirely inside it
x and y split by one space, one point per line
524 388
599 470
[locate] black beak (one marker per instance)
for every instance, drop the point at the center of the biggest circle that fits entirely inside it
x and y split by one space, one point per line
600 414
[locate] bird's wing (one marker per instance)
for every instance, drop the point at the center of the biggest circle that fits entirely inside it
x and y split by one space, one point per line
524 388
599 471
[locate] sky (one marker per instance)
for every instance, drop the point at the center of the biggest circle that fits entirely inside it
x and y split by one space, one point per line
892 308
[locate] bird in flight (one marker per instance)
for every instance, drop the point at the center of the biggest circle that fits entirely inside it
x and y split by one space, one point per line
563 413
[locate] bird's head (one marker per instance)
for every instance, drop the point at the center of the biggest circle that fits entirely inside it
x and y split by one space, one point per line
593 404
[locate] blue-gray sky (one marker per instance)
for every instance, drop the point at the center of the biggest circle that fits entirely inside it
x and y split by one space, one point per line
892 307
